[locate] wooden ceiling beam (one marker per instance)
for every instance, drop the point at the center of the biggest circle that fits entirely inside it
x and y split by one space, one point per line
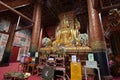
24 28
15 4
110 7
115 29
110 30
15 11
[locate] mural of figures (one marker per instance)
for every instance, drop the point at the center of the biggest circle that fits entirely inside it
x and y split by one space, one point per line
3 41
22 38
4 25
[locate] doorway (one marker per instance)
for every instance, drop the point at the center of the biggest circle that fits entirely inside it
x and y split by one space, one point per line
14 54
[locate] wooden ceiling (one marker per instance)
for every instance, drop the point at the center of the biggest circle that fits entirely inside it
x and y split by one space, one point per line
52 8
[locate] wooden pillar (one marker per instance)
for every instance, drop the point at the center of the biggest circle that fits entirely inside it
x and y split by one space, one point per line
97 41
36 28
6 56
40 39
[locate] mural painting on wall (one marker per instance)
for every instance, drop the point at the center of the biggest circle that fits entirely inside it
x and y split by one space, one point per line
21 39
3 41
4 26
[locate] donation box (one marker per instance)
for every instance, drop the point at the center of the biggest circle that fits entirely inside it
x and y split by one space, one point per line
76 71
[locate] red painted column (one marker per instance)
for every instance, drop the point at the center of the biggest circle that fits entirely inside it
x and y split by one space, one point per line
95 29
6 56
36 28
97 41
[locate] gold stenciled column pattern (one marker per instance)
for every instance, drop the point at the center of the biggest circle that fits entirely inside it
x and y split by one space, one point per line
98 46
95 30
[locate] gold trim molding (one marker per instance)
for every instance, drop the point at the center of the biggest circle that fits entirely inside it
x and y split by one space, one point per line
98 46
68 49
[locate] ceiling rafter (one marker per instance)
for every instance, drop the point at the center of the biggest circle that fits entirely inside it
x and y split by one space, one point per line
25 27
15 11
16 4
108 5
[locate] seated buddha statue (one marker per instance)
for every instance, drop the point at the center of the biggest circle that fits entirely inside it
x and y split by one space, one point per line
75 32
63 35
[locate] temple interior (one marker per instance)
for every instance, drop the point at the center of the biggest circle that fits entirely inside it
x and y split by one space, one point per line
60 39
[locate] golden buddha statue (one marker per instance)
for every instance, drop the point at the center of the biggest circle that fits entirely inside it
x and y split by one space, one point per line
75 32
66 34
63 34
